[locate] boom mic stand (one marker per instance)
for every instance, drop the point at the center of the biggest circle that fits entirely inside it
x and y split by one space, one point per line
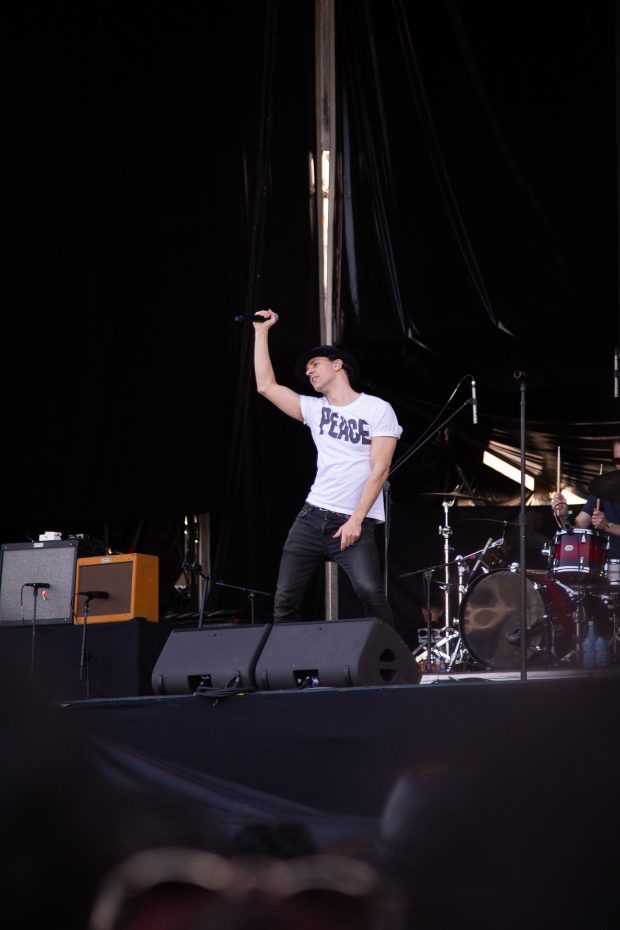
424 439
251 593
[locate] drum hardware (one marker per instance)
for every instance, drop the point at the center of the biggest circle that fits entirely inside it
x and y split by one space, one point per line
575 655
437 647
446 645
611 600
448 632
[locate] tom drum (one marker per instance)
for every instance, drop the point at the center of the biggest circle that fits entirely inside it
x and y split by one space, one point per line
579 556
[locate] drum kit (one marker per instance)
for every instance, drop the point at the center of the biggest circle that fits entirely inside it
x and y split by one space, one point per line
581 584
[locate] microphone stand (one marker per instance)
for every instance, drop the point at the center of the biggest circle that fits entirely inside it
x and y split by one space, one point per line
203 599
251 593
387 503
445 530
196 569
35 591
84 655
521 377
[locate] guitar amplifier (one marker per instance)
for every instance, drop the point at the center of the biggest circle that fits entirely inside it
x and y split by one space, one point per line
131 581
37 582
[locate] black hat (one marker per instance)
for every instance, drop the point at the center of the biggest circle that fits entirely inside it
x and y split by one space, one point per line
348 360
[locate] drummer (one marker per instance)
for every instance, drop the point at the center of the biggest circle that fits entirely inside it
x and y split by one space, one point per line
605 516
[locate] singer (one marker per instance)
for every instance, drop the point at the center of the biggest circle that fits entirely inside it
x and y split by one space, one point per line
355 435
602 514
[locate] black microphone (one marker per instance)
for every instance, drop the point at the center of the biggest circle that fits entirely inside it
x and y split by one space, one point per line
474 402
617 373
482 554
37 584
514 638
251 319
92 595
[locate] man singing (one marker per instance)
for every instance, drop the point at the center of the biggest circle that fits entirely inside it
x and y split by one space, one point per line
355 435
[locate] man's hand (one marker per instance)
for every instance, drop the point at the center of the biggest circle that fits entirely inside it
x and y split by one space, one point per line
559 505
349 532
599 520
270 317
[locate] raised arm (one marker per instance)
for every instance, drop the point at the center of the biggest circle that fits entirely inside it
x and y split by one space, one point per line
284 398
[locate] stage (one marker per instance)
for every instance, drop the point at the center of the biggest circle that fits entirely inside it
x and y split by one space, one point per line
484 783
340 751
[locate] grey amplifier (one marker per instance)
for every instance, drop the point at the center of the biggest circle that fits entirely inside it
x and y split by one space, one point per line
37 582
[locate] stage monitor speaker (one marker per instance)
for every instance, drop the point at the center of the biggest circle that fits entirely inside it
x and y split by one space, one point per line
131 581
213 657
335 653
52 563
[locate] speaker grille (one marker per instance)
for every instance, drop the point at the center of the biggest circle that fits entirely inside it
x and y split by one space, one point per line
52 562
131 581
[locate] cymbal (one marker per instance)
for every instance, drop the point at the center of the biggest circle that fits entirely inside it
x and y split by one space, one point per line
606 486
488 520
455 494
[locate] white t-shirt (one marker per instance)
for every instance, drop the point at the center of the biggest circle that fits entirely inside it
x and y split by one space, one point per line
342 436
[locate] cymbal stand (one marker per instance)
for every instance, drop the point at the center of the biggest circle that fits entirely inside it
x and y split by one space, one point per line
445 530
458 651
446 634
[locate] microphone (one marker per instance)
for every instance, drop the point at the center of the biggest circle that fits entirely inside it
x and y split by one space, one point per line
92 595
474 402
483 553
37 584
255 318
514 638
617 372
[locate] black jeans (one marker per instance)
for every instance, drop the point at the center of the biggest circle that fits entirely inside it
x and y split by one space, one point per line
309 543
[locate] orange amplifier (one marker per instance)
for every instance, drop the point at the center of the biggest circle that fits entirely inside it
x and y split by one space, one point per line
131 582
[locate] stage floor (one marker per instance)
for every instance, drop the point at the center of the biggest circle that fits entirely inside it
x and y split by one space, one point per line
553 674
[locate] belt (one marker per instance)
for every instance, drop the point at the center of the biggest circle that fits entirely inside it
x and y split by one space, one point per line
326 510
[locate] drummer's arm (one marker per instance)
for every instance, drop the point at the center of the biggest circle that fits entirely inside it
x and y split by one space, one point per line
583 520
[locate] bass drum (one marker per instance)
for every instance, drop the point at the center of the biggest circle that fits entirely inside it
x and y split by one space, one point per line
490 620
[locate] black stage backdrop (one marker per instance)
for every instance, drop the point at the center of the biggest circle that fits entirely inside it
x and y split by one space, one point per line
159 185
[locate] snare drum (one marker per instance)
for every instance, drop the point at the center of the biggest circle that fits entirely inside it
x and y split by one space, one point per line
579 556
612 571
